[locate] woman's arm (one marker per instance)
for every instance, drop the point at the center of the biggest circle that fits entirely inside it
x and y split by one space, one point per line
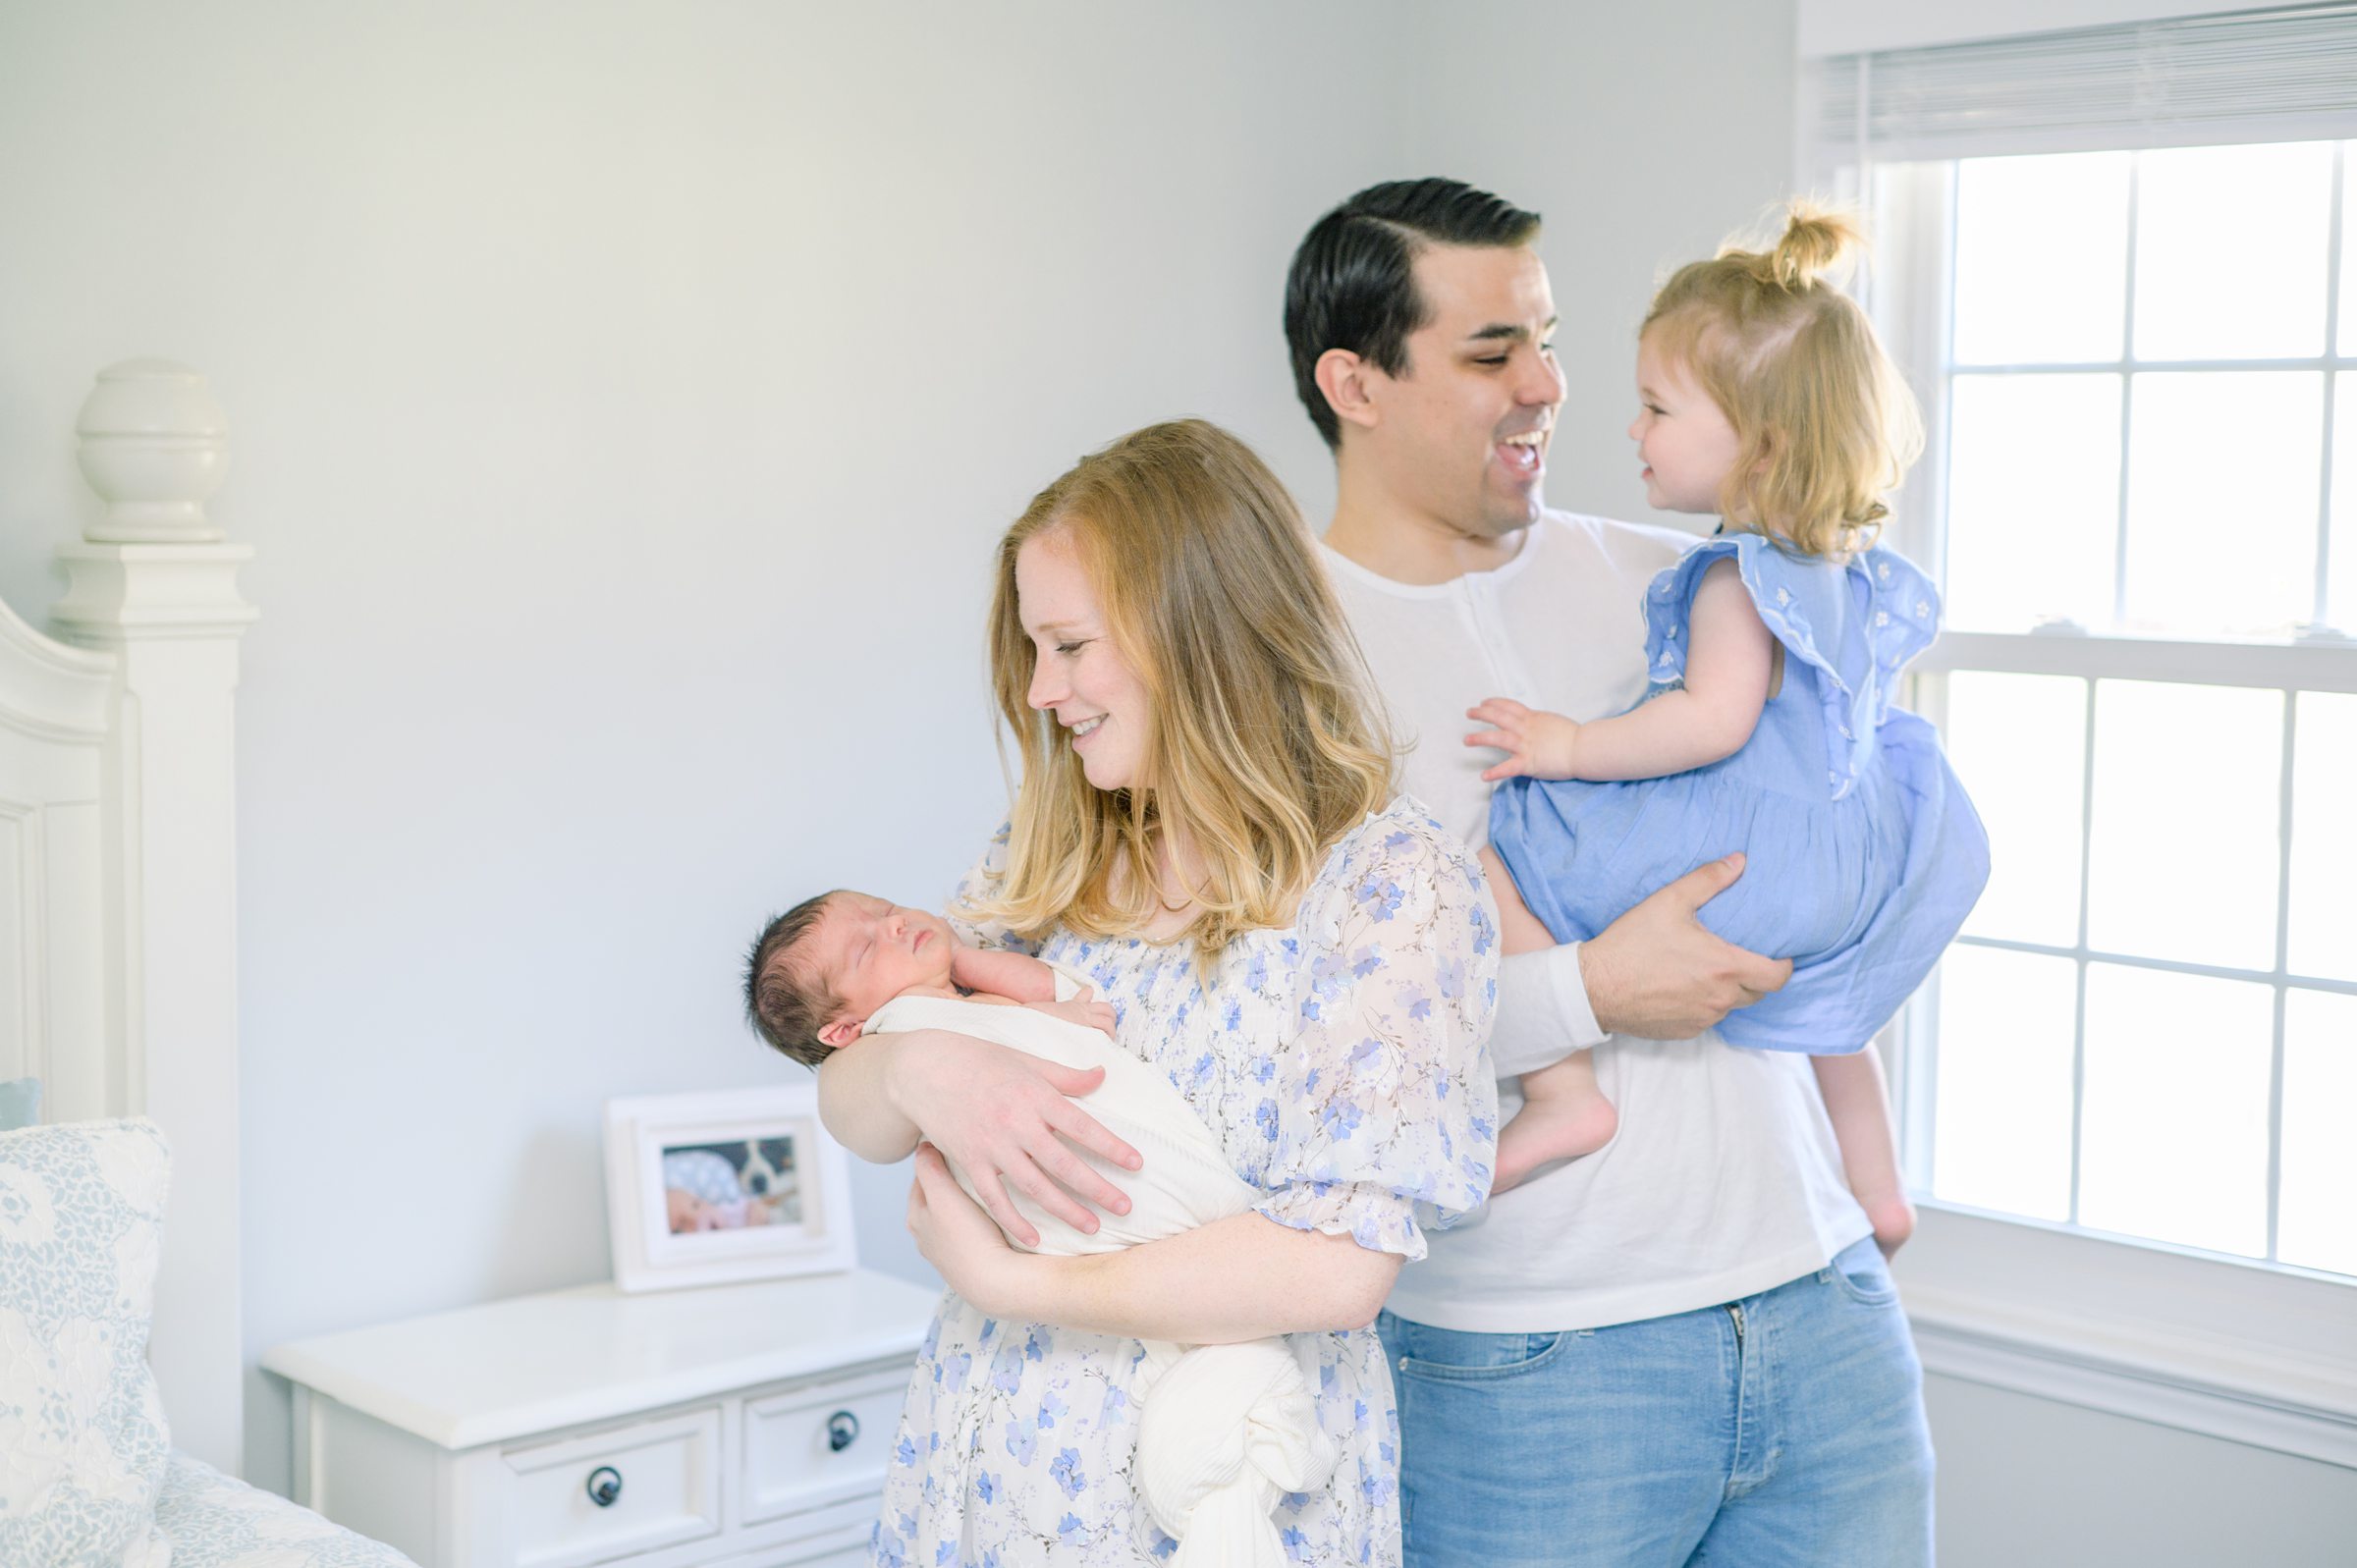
1728 662
855 1103
1001 1113
1239 1279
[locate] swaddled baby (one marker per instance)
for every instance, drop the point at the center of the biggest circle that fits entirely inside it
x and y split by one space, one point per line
1225 1430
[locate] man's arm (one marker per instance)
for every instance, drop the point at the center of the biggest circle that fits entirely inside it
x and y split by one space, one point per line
1543 1012
1656 973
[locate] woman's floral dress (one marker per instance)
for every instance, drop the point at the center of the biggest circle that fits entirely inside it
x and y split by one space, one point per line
1343 1063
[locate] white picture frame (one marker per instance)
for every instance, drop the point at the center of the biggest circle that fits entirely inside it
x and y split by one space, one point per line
706 1189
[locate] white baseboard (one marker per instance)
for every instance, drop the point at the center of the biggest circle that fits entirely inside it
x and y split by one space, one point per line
2140 1393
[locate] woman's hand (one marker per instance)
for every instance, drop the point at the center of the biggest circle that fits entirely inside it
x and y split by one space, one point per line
1003 1116
958 1239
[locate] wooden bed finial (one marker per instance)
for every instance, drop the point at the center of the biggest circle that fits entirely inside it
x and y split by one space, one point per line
155 446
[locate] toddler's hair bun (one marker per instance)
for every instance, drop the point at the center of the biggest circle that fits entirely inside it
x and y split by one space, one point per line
1817 241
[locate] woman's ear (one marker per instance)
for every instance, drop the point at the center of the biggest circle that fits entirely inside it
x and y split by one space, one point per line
1346 380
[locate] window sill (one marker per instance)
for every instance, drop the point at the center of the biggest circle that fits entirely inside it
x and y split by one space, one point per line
2312 664
2248 1352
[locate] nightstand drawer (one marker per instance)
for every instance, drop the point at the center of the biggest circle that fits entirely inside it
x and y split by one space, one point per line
836 1549
821 1444
660 1482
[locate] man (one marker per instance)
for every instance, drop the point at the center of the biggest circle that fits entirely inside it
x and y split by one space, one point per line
1683 1347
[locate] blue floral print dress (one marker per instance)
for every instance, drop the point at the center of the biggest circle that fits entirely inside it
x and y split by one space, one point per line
1343 1063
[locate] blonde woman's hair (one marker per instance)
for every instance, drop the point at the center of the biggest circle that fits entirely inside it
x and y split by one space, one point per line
1825 424
1264 745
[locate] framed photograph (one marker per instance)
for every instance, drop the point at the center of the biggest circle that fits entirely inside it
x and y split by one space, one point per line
745 1184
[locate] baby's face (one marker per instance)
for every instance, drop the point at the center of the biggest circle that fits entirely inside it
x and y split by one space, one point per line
868 951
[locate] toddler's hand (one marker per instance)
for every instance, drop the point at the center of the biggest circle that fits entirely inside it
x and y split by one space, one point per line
1080 1010
1537 744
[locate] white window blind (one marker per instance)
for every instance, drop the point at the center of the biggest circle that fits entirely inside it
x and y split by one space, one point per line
2281 74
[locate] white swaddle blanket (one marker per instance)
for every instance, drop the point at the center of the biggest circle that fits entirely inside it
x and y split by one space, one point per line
1223 1431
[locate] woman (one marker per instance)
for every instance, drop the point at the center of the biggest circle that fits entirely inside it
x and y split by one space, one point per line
1205 829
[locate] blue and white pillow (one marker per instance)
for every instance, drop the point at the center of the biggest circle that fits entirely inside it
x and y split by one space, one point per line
215 1522
83 1442
19 1104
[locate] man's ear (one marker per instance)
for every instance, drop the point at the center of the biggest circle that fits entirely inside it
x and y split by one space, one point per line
841 1033
1346 380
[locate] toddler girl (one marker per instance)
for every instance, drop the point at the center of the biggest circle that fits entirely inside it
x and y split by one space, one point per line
1773 649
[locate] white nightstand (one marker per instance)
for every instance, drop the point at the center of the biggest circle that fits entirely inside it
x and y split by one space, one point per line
729 1427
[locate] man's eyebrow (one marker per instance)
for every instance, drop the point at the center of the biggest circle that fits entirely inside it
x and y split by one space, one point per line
1508 331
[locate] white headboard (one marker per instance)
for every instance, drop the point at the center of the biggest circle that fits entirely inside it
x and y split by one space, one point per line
117 846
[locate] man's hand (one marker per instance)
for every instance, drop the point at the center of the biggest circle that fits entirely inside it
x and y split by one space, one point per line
1659 973
1003 1116
1537 744
1081 1009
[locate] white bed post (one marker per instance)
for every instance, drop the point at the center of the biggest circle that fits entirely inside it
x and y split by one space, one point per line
155 585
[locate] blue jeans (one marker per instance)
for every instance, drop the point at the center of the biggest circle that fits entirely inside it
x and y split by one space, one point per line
1780 1431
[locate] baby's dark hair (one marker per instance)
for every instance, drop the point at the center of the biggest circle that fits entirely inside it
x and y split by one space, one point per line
786 1005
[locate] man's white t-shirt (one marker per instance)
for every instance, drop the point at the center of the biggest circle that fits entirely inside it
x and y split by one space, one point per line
1724 1179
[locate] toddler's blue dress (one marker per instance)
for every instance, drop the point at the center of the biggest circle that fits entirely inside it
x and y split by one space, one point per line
1863 856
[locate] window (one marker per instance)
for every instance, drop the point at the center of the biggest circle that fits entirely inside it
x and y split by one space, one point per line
2119 265
2143 383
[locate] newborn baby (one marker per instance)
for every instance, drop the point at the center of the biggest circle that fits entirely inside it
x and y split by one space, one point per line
1225 1429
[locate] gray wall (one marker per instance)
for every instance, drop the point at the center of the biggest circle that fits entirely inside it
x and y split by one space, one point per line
624 400
1644 135
2031 1482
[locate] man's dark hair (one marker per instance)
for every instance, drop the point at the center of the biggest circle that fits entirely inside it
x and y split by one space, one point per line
786 1005
1353 284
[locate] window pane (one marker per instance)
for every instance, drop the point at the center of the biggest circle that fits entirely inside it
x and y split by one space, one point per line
2316 1217
2348 251
2223 477
2187 784
2173 1135
2042 259
2231 250
2019 743
2323 936
2341 602
2033 475
2002 1136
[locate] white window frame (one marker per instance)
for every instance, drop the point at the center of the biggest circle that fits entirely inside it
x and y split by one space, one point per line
2258 1352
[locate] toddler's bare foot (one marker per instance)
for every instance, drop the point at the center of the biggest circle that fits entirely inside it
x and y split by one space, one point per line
1545 1131
1893 1219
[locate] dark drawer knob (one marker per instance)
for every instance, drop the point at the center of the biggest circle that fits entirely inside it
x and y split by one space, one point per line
605 1484
843 1429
